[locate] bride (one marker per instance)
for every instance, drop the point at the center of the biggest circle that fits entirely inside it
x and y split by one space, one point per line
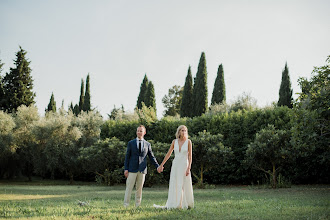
180 192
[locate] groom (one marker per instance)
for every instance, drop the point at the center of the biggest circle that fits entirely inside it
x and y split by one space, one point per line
136 165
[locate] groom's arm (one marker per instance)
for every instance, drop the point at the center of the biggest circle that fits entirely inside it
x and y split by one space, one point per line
152 157
127 157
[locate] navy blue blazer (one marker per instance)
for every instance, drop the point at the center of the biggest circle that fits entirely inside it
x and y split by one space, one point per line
134 161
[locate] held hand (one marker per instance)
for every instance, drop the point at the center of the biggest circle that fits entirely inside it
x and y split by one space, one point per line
160 169
126 173
187 171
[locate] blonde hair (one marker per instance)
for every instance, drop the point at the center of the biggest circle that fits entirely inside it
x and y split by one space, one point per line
177 134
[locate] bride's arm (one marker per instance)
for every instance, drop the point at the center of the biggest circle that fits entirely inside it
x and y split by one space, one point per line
189 157
168 154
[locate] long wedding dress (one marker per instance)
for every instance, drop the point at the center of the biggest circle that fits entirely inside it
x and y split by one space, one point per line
180 192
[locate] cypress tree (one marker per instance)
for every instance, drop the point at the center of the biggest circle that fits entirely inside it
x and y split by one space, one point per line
200 94
187 101
285 93
219 90
2 93
76 110
18 83
150 100
143 91
52 104
71 107
87 98
82 96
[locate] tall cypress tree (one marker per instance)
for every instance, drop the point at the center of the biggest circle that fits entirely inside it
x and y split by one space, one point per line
150 100
285 93
82 96
200 95
219 90
2 93
71 107
87 98
187 99
76 110
143 91
52 104
18 83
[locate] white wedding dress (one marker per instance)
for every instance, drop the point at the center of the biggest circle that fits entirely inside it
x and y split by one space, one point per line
180 192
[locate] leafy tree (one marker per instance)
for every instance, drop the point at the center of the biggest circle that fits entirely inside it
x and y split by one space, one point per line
311 129
172 101
219 90
150 99
104 159
209 152
200 95
7 146
71 107
285 93
244 102
147 115
187 96
52 104
143 91
57 149
82 96
269 151
25 120
18 83
87 98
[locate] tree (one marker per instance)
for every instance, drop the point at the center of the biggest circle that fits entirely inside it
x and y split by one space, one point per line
150 99
200 96
82 96
269 151
209 152
52 104
2 93
187 96
285 93
18 83
219 90
172 101
143 91
311 129
87 98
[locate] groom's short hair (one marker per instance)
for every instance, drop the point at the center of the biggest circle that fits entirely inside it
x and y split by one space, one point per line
142 126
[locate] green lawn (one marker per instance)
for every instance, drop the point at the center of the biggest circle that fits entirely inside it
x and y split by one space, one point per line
224 202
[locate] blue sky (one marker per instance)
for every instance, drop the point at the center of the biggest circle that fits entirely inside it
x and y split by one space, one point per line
117 42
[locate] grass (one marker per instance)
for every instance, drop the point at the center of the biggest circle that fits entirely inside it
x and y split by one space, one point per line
47 201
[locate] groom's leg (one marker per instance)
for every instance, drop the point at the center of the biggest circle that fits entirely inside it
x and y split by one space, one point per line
139 185
130 181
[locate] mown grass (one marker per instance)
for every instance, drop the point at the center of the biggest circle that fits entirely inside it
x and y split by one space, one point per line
224 202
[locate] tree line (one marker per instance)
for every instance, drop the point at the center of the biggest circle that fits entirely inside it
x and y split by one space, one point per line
231 143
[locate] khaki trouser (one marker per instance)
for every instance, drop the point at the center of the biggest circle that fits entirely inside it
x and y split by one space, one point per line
138 179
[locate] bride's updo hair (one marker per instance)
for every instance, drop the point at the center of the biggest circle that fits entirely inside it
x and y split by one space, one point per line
177 134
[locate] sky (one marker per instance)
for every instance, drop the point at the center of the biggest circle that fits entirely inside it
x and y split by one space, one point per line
118 42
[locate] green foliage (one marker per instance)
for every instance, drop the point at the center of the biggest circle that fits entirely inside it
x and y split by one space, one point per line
187 96
18 84
285 93
2 92
208 152
87 97
200 94
219 90
104 159
311 128
150 100
244 102
52 104
81 97
269 151
172 101
147 115
57 145
143 91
